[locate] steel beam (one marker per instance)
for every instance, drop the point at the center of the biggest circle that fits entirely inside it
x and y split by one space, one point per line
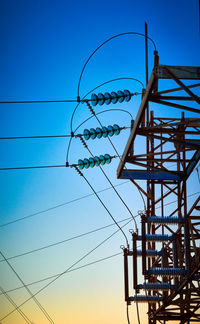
136 123
152 175
181 72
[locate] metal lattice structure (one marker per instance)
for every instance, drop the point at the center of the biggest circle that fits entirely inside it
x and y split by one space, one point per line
169 257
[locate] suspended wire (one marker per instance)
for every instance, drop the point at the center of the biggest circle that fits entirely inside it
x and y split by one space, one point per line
127 313
60 101
64 241
119 196
83 234
92 111
55 136
32 137
40 166
102 44
137 309
102 84
95 115
109 213
101 112
64 272
60 205
3 292
174 201
36 101
33 167
61 136
29 291
53 276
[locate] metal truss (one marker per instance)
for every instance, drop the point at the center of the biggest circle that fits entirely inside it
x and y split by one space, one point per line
167 154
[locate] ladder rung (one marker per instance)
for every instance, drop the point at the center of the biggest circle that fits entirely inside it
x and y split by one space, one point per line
156 286
150 253
165 220
167 272
157 237
146 299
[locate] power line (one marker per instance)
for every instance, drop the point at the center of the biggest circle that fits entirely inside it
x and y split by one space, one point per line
66 240
102 203
42 166
127 314
56 136
36 101
29 291
81 235
106 41
58 206
32 137
174 201
53 276
108 179
64 272
101 112
3 292
33 167
93 113
104 83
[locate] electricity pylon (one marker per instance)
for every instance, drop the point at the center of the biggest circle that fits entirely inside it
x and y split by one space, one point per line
165 151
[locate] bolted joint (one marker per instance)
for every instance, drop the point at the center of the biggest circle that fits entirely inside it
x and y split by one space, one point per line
72 134
67 164
143 218
132 123
78 99
134 236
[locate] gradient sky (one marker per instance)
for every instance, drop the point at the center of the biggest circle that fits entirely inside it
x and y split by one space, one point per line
44 45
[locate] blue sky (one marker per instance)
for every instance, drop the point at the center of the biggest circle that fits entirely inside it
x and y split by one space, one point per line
44 45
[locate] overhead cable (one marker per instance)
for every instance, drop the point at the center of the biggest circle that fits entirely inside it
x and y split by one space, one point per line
64 272
101 112
60 205
102 44
33 167
102 203
3 292
53 276
93 113
64 241
29 291
83 234
33 137
117 193
37 101
102 84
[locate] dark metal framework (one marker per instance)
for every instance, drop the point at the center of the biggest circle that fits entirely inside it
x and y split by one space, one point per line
169 258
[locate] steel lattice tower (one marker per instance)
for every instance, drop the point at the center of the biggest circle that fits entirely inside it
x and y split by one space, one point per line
169 153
